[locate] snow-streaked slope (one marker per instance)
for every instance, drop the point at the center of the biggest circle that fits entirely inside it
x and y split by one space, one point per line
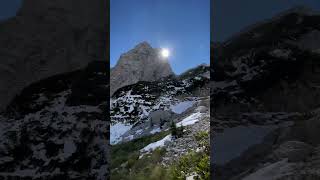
117 130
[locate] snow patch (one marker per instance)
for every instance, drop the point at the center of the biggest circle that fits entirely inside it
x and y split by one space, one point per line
156 144
192 119
281 53
117 130
181 107
153 131
69 148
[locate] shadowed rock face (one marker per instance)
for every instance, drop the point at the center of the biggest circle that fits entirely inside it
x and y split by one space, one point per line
266 75
275 62
47 38
57 128
143 63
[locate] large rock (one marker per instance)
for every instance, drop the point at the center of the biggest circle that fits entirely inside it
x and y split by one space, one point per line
157 116
294 151
47 38
143 63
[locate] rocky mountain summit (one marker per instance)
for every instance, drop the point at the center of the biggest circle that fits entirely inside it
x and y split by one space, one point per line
265 90
143 63
47 38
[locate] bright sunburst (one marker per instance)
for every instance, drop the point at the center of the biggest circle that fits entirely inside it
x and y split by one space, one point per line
165 53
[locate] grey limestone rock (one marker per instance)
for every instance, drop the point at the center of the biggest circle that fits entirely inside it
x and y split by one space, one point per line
143 63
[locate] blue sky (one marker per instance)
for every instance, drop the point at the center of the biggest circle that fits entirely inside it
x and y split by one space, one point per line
183 26
231 16
8 8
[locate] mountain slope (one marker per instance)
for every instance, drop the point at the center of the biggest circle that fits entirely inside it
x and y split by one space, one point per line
54 130
142 117
264 87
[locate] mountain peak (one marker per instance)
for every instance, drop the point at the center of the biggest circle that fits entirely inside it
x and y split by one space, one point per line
143 45
142 48
301 9
142 63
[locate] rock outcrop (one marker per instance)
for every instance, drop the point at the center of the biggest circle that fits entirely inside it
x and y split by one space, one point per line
273 66
47 38
268 77
143 63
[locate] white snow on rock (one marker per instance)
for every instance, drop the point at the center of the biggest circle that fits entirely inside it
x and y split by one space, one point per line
69 148
193 118
155 130
156 144
181 107
281 53
116 131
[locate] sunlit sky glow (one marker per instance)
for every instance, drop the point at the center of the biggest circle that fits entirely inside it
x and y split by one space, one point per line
181 26
165 53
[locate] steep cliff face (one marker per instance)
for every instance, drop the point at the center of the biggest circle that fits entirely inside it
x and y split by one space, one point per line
143 63
47 38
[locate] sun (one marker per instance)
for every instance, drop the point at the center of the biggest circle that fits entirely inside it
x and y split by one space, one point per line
165 53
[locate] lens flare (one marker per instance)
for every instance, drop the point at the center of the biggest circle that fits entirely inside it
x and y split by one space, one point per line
165 53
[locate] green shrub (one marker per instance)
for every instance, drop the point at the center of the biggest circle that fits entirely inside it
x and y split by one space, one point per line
203 168
176 132
202 138
185 166
173 129
132 159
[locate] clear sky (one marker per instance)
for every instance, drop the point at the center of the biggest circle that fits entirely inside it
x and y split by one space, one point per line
9 8
183 26
231 16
